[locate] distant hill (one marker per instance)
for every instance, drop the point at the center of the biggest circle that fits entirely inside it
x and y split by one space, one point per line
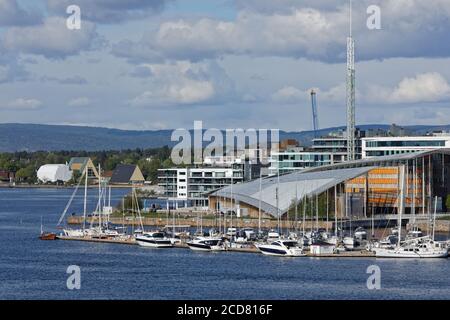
36 137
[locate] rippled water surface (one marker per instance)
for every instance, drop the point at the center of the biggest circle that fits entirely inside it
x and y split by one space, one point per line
34 269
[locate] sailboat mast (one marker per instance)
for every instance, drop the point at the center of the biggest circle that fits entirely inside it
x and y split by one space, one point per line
434 217
278 200
335 212
85 196
231 199
402 203
260 200
296 207
100 210
304 215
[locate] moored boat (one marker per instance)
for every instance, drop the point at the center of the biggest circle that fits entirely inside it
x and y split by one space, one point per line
206 244
153 240
47 236
424 247
284 248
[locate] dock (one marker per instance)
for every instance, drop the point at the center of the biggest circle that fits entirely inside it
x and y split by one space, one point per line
246 249
88 239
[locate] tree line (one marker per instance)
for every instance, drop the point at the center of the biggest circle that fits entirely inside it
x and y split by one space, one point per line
25 164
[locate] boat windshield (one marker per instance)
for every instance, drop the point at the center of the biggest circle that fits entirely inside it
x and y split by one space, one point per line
212 242
290 244
157 235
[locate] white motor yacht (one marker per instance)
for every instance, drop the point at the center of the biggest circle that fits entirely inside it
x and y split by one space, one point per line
360 233
272 236
73 232
285 248
349 242
206 244
153 240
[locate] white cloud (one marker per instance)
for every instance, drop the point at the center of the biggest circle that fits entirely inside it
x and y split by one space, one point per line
184 83
425 87
79 102
51 39
23 103
300 29
289 95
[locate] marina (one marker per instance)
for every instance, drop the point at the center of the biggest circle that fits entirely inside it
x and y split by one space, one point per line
296 240
251 249
31 265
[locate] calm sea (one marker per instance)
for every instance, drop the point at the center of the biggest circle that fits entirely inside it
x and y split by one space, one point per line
34 269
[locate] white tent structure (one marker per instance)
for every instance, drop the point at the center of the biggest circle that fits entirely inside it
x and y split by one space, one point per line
54 173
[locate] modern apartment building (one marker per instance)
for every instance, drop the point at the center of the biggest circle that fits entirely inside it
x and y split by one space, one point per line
385 146
297 159
192 185
324 151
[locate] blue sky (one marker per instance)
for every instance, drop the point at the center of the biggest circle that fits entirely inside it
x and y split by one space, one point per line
162 64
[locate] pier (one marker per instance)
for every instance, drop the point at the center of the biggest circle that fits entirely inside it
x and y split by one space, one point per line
244 249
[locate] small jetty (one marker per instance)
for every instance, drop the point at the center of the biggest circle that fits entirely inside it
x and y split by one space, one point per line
89 239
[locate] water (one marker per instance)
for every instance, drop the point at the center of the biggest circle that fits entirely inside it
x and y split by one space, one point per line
35 269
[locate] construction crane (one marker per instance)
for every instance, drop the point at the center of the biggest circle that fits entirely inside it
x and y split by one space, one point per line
314 113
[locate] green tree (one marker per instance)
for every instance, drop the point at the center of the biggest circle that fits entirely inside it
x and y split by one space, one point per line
27 174
447 203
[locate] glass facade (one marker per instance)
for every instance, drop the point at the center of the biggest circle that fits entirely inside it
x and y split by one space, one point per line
405 143
288 162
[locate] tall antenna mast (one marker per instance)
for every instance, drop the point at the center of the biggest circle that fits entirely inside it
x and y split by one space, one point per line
350 93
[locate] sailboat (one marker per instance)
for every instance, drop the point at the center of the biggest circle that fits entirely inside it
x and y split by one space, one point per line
46 235
423 247
76 233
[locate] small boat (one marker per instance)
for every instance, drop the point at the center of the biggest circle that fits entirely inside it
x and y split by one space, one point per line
349 242
333 240
423 247
231 232
272 235
360 233
47 236
76 233
153 240
206 244
284 248
414 233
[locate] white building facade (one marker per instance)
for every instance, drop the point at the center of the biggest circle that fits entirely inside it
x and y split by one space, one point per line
385 146
192 185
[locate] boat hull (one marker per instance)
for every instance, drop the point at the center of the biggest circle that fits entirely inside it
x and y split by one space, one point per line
154 243
48 236
73 233
280 252
389 253
204 247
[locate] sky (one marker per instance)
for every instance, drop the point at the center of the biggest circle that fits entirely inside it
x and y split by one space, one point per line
163 64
